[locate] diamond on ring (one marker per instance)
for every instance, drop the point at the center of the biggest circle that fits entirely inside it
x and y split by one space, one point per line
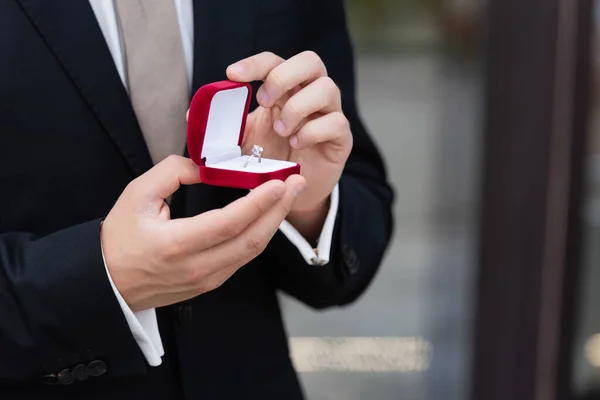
256 152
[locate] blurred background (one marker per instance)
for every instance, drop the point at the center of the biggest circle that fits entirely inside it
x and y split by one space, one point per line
586 349
419 75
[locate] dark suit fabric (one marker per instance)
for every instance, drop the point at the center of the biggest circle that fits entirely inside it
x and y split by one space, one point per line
69 145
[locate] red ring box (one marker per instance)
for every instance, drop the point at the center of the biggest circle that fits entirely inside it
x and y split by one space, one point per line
215 133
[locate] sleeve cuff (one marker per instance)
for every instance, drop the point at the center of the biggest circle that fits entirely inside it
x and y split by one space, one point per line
320 255
143 325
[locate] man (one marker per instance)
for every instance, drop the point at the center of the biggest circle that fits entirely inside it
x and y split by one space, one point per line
121 275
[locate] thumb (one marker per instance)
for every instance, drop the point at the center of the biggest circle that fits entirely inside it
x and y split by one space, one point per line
164 178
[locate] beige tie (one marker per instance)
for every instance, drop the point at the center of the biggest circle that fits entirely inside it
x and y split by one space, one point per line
155 72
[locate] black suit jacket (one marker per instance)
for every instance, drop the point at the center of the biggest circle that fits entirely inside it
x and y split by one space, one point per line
70 143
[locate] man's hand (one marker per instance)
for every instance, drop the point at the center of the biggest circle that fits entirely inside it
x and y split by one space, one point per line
299 119
155 261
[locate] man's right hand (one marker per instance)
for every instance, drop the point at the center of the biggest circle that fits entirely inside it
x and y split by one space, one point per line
155 261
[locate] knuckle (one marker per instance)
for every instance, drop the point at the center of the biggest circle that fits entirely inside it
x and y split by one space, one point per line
315 61
340 121
230 229
210 284
171 248
268 55
204 281
220 278
350 141
328 83
215 284
311 57
195 277
172 160
276 79
331 88
202 288
252 62
134 186
255 245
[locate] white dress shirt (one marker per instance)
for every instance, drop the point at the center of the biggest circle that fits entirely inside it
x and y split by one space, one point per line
143 324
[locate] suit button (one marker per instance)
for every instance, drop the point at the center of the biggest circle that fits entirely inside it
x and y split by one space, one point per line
96 368
350 259
80 373
50 379
184 313
64 377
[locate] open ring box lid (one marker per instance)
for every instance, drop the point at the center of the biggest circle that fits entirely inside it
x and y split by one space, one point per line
215 133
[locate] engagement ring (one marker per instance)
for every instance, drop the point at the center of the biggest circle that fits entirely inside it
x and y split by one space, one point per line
256 152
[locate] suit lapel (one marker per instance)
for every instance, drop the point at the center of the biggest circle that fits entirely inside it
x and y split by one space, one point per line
72 32
223 34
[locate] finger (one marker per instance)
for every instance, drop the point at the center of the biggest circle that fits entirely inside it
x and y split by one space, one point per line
255 68
241 249
298 70
162 180
321 96
213 227
333 127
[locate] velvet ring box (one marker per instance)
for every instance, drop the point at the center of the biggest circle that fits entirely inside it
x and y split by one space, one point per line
215 133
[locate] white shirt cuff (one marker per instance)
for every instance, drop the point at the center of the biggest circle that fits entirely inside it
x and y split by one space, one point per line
323 250
143 326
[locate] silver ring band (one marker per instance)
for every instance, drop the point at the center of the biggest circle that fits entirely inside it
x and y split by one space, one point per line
256 152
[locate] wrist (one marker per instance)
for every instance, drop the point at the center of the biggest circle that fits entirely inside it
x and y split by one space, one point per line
309 222
121 284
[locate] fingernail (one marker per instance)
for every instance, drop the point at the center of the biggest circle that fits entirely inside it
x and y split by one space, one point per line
299 189
278 192
279 127
294 141
262 96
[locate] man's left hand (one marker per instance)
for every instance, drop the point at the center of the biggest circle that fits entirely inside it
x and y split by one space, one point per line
299 119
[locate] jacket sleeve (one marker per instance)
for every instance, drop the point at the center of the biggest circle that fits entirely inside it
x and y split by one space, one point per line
363 224
58 310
